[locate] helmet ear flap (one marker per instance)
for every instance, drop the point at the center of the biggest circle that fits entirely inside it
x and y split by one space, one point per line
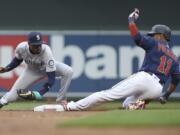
166 38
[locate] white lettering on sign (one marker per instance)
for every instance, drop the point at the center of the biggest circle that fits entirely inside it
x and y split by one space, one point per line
72 51
126 56
6 55
101 63
98 61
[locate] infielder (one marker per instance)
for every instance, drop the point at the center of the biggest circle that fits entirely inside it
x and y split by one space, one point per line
159 64
40 63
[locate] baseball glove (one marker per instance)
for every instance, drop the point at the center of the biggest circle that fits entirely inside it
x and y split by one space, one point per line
29 95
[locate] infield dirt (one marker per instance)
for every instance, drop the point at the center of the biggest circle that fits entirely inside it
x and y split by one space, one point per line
36 123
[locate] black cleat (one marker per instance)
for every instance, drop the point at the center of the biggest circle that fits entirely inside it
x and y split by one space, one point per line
1 105
163 99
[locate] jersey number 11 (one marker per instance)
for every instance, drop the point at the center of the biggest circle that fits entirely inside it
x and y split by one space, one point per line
165 65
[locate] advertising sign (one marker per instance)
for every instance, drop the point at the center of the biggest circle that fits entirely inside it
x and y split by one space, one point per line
99 60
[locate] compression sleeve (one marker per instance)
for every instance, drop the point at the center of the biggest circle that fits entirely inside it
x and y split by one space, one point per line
135 33
49 84
175 79
51 77
133 29
176 74
13 64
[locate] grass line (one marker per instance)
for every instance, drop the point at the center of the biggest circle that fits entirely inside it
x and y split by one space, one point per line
123 118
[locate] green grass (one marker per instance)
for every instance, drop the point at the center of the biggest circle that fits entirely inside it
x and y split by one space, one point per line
152 106
124 118
23 105
29 105
155 115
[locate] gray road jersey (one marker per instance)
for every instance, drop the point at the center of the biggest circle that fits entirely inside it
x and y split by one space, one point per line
42 62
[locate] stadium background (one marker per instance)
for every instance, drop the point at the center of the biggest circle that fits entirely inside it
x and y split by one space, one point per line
90 35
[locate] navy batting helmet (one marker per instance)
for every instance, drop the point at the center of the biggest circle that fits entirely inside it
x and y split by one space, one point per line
35 38
161 29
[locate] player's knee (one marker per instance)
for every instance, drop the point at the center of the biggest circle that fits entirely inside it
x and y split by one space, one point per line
69 72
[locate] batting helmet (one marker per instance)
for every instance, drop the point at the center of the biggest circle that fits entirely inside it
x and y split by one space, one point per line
35 38
161 29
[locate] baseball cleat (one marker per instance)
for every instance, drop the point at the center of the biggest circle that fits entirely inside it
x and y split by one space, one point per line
3 102
1 105
49 108
138 105
163 100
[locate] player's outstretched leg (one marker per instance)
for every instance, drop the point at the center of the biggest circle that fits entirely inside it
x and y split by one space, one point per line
3 102
83 104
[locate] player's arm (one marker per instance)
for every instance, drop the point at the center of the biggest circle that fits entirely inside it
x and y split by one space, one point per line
171 88
16 61
50 71
13 64
133 27
143 41
36 95
49 84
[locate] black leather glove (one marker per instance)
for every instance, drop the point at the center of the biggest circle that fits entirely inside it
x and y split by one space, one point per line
29 95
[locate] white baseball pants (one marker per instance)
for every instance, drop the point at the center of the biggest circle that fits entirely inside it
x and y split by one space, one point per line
141 85
29 76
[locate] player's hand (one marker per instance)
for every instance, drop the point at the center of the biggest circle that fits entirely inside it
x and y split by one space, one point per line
163 99
26 94
3 70
134 15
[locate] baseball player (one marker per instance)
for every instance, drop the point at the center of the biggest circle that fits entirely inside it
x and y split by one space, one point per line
40 63
165 96
159 64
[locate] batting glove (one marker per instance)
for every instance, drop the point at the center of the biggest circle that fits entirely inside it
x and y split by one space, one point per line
134 15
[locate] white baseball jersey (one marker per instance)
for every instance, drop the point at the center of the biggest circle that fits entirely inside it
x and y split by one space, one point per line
43 61
36 67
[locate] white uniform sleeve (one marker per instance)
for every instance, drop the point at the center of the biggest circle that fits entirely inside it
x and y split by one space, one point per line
19 51
49 60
